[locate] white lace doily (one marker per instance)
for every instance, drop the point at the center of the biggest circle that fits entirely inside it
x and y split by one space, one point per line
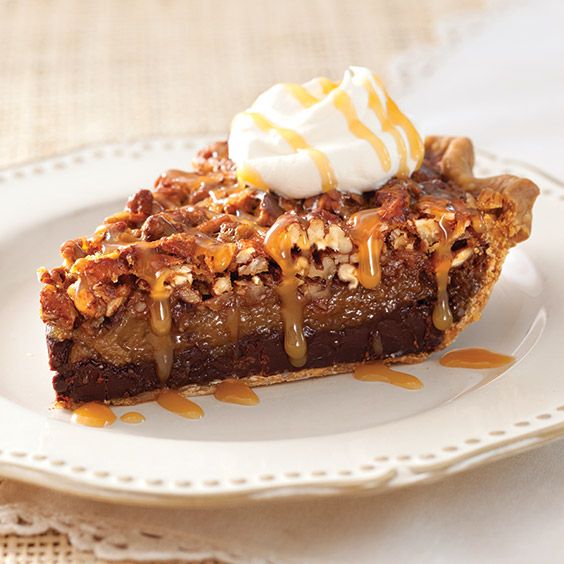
114 539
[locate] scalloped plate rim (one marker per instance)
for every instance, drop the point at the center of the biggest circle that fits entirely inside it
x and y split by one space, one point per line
391 474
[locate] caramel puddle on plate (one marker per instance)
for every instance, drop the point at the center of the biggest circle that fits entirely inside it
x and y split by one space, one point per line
232 391
475 358
132 417
178 404
93 414
379 372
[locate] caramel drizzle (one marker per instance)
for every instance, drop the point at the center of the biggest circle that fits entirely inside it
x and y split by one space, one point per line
278 245
442 314
375 105
159 315
442 257
235 391
218 257
302 95
475 358
233 319
396 118
365 232
176 403
132 418
298 144
112 243
390 118
246 174
93 414
327 85
344 104
379 372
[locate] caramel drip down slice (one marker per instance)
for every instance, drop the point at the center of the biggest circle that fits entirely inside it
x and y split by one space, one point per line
442 314
366 233
217 255
278 245
161 324
292 314
159 312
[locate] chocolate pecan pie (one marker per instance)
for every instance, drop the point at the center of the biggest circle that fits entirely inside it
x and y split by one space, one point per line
204 278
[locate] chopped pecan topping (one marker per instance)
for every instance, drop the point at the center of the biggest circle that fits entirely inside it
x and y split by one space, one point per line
202 236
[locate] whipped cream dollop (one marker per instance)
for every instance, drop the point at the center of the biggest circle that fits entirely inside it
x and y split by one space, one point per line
302 140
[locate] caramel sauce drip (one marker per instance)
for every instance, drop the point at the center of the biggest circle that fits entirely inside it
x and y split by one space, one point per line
159 312
295 343
344 104
302 95
176 403
218 255
163 354
233 319
161 324
366 233
132 417
298 143
234 391
112 243
376 106
93 414
246 174
396 118
391 119
124 215
327 85
475 358
442 314
379 372
279 246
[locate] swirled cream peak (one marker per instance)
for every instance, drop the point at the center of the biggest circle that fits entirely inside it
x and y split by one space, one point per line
302 140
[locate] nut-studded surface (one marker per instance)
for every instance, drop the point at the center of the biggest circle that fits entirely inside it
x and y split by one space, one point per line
198 238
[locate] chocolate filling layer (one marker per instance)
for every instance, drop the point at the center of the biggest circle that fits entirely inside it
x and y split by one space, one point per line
406 330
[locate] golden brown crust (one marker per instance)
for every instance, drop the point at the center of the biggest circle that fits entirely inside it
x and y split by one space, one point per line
455 157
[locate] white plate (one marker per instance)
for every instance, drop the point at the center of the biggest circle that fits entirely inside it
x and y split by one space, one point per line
317 437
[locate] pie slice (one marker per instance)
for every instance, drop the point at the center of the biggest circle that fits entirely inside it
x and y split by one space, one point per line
205 278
